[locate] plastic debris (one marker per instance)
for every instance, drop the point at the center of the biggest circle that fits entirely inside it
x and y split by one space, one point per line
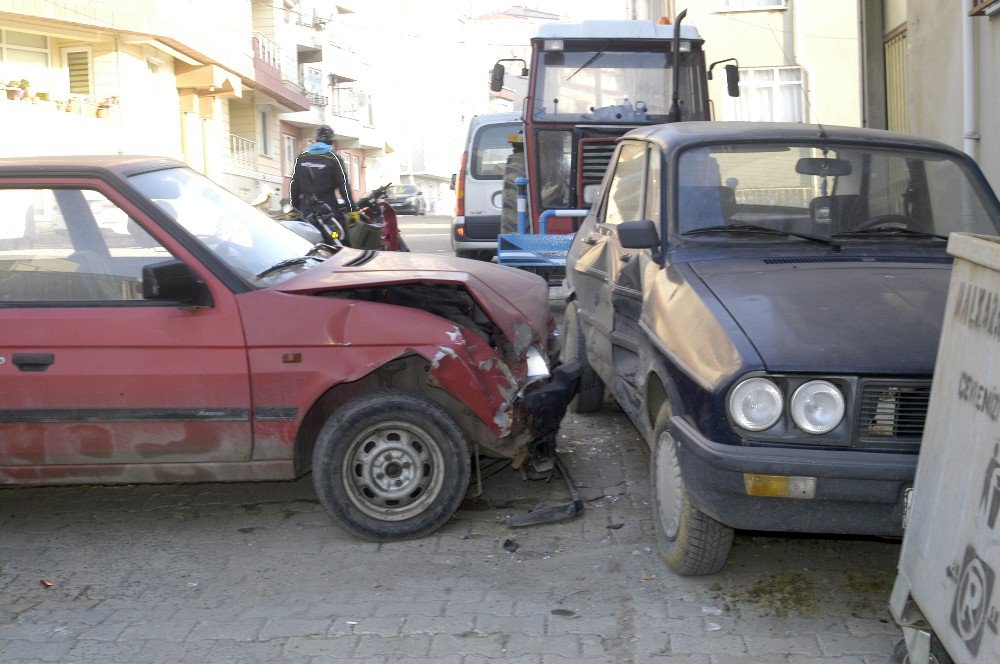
511 545
712 627
615 526
46 584
711 611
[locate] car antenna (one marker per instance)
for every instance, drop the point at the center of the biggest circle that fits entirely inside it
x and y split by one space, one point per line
674 114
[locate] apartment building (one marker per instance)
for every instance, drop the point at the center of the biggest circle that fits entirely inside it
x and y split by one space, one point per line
233 87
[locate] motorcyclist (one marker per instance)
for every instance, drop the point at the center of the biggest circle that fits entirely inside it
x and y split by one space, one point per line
319 174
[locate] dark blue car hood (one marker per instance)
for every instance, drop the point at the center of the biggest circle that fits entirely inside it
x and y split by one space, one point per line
838 317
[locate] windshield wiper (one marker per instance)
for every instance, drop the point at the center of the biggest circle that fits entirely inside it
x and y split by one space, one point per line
753 228
288 262
890 230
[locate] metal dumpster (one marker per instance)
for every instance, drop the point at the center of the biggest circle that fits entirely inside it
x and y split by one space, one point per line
946 597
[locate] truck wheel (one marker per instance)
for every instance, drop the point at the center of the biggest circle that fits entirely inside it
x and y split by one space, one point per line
938 655
691 542
391 466
514 169
590 396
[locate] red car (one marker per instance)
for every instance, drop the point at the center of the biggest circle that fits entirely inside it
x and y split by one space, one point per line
156 328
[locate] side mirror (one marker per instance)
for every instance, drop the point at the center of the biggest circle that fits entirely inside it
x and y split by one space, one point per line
638 235
733 80
173 281
496 77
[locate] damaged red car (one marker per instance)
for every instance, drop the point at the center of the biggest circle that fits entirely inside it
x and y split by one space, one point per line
156 328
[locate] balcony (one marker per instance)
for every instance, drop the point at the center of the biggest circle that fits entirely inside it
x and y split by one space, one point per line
268 78
243 152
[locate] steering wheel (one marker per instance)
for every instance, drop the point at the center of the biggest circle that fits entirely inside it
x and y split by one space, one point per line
891 220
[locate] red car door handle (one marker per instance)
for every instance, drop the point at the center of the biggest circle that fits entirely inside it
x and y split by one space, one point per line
33 361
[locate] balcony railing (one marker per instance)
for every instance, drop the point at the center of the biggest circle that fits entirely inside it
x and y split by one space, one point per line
243 152
317 100
266 50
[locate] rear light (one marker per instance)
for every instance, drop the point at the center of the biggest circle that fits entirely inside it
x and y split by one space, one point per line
460 231
460 187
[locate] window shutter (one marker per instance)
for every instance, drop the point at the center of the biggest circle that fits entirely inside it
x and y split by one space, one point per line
78 63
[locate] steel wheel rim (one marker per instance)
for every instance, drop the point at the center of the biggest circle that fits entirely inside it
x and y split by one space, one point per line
393 471
669 487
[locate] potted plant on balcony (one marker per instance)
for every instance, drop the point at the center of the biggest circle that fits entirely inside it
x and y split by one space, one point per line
104 107
25 87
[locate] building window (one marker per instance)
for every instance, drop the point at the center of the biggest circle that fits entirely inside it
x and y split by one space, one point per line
290 152
769 94
24 57
264 133
749 5
78 61
353 165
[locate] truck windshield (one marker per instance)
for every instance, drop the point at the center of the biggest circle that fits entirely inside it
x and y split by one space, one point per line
616 86
828 190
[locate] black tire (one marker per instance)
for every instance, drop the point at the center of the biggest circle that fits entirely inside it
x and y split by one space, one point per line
901 655
514 169
691 542
590 395
463 253
391 466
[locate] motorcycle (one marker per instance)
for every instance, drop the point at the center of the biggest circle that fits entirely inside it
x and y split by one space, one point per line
373 227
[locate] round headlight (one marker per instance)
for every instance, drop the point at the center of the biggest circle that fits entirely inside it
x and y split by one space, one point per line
755 404
817 406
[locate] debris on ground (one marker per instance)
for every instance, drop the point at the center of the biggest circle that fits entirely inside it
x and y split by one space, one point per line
511 545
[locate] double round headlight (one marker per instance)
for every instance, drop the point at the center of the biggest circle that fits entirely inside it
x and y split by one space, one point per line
816 407
755 404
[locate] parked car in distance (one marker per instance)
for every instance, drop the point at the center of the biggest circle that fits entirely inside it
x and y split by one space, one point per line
765 302
479 184
407 199
159 329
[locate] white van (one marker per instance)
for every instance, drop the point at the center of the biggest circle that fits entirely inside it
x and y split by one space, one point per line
479 184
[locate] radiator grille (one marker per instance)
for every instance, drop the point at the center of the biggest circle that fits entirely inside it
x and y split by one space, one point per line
893 412
595 157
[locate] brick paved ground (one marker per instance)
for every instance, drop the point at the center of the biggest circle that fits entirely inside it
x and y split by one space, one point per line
257 573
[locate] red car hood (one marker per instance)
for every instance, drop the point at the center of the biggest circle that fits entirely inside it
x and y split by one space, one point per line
510 297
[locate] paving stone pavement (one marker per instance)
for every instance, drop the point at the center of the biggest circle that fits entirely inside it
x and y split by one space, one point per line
256 572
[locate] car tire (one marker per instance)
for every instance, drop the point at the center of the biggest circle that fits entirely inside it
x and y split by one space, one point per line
590 395
691 542
391 466
463 253
514 169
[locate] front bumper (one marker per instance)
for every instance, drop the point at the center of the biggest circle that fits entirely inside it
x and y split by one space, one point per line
547 403
857 493
404 207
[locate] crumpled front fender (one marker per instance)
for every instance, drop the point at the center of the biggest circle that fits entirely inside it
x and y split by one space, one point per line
478 377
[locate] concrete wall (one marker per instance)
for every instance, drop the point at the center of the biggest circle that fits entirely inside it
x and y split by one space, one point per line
934 35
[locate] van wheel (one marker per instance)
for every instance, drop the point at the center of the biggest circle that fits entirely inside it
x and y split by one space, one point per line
691 542
514 169
938 655
590 395
391 466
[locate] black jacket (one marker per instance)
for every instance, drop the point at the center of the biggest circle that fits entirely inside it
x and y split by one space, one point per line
316 180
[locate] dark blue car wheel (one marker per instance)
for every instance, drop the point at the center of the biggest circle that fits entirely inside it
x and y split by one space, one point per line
691 542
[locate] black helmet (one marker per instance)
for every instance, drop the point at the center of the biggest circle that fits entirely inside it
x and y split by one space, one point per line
324 133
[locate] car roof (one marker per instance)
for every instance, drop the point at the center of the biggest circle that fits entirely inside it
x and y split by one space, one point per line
678 135
85 165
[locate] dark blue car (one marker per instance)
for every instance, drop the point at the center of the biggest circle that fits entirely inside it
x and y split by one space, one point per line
765 301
